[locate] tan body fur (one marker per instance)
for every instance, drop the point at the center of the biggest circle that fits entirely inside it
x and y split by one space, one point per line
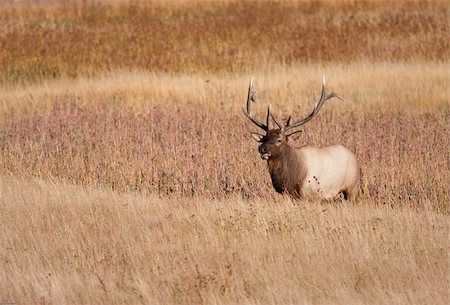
311 172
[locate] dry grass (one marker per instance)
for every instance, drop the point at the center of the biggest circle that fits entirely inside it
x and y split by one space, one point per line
127 174
62 244
47 41
366 87
171 146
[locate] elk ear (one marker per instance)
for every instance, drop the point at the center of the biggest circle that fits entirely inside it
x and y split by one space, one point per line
257 136
294 136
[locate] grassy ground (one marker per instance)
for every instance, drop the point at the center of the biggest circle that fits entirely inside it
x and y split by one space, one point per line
186 135
127 173
76 245
51 41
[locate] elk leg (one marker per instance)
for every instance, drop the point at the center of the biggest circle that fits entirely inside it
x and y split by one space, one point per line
352 194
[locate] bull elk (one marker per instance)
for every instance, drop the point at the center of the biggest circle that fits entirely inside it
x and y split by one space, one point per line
307 172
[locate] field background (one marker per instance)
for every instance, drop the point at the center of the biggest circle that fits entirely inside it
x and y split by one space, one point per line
127 173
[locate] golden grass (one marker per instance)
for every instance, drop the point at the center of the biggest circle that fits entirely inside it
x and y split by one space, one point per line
50 41
127 174
411 87
74 245
182 135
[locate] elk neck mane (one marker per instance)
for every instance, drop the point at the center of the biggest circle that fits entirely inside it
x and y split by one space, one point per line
287 171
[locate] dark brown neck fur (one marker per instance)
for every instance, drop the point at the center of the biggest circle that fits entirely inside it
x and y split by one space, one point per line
287 172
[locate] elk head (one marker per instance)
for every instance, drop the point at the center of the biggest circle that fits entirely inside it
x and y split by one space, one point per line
274 141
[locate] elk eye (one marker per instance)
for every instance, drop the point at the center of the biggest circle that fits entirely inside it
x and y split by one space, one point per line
279 140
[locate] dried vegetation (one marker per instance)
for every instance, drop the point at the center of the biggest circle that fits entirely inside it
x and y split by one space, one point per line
50 41
127 174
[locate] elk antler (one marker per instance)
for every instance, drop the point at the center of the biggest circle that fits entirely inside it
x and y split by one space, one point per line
247 112
276 121
323 98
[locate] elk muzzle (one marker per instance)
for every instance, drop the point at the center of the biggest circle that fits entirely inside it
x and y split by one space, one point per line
264 152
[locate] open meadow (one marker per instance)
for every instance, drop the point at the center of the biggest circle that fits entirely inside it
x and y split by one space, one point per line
128 174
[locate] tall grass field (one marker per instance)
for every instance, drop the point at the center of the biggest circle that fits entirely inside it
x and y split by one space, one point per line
128 174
